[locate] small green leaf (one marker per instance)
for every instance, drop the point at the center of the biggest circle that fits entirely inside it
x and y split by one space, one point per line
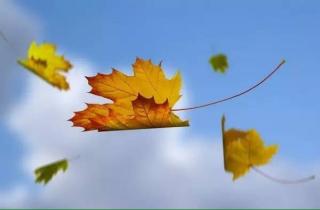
219 63
45 173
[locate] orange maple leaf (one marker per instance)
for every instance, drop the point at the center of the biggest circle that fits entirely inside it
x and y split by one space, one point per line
141 101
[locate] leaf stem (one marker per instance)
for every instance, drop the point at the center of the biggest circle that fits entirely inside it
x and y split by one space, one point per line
73 158
4 37
283 181
236 95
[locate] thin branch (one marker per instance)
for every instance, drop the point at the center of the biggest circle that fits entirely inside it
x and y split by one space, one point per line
4 37
236 95
283 181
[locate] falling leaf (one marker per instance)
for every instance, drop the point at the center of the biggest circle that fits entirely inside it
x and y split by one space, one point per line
219 63
243 150
43 61
148 80
141 101
45 173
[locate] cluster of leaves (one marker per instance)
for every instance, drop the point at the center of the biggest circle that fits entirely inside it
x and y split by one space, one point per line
141 101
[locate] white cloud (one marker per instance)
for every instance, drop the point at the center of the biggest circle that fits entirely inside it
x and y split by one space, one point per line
161 168
16 195
19 28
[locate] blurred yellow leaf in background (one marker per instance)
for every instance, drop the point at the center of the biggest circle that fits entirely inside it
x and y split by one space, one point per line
243 150
43 61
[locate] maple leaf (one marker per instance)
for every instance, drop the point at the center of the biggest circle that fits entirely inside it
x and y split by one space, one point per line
43 61
45 173
141 101
243 150
148 80
219 63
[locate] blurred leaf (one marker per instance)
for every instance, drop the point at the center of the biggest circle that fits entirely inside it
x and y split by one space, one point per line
43 61
243 150
45 173
219 63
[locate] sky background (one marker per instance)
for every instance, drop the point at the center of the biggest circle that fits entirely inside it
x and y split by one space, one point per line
139 168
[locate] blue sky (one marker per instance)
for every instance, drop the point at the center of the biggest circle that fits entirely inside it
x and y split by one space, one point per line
256 36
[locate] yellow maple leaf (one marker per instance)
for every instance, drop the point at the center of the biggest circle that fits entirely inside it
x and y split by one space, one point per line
243 150
153 83
148 81
141 101
43 61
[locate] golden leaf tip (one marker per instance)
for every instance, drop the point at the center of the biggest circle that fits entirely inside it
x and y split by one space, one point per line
92 91
90 78
85 130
